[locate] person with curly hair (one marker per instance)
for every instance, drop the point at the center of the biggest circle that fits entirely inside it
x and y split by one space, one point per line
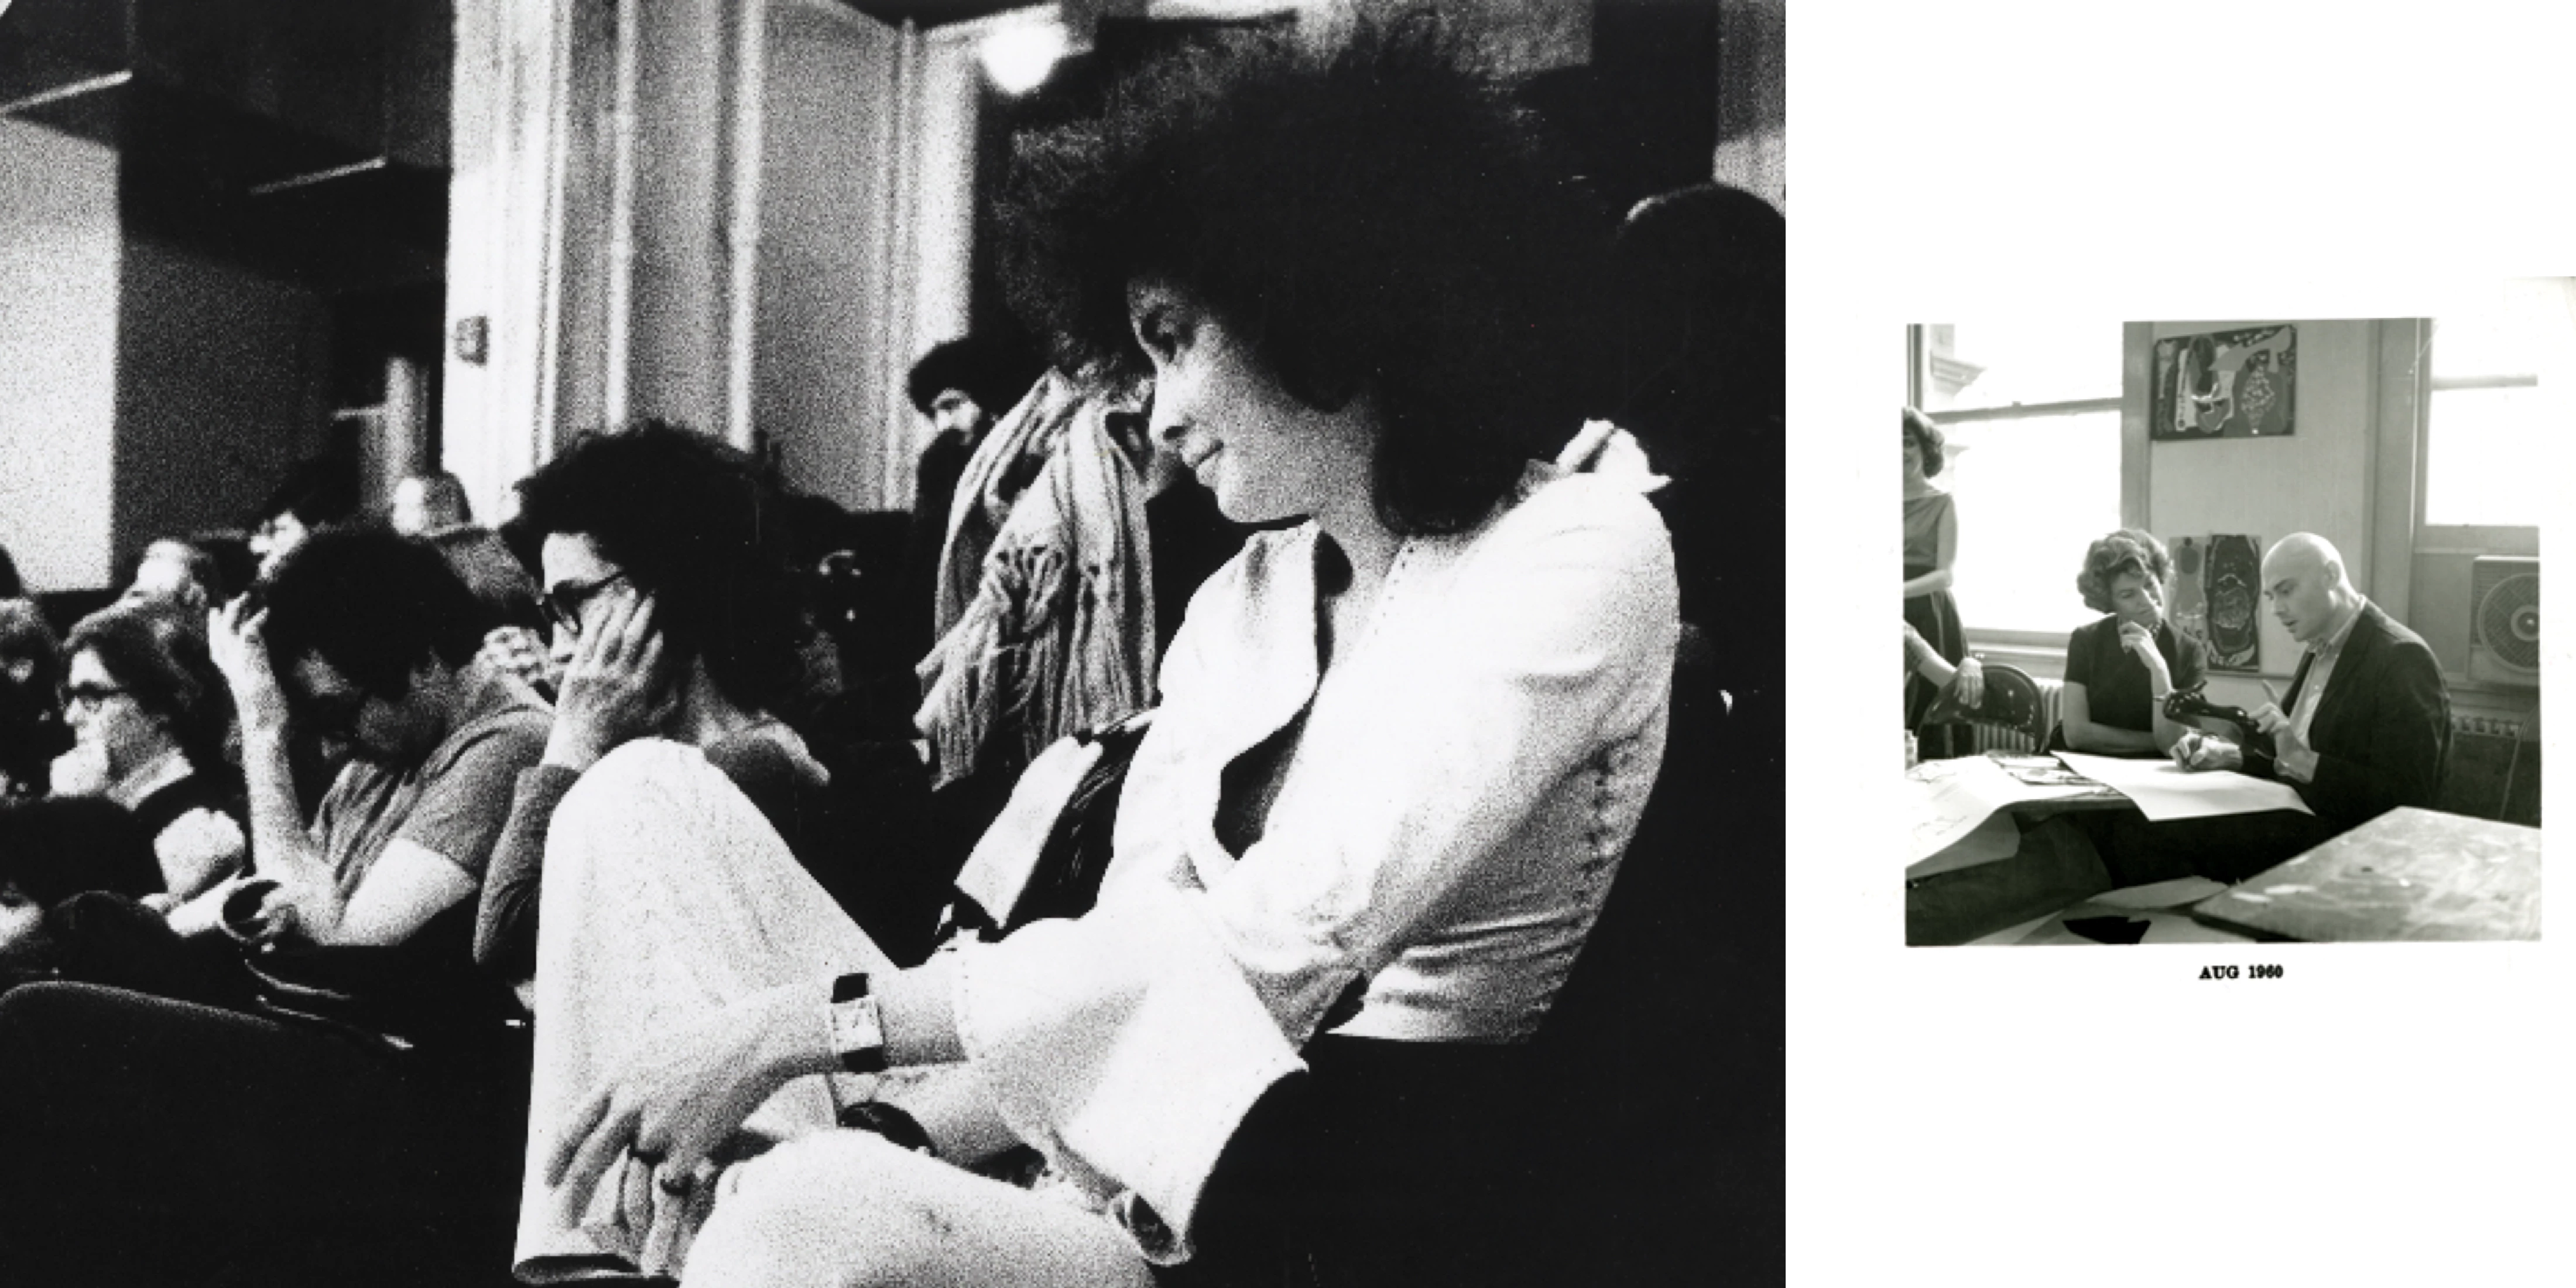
676 618
2119 669
1931 546
1402 747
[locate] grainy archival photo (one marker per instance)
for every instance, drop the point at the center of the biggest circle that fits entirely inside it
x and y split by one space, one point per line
2176 674
750 642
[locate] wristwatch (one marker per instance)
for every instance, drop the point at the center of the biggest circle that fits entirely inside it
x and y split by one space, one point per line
858 1034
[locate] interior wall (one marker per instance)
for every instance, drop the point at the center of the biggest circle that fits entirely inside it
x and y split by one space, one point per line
222 383
59 255
2316 479
825 214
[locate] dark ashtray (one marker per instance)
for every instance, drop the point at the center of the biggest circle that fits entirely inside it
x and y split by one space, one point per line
2109 930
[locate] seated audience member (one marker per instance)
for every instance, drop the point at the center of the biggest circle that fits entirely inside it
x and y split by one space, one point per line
150 715
2119 669
32 732
426 505
675 618
1400 751
176 576
2369 719
964 386
371 645
317 491
178 1143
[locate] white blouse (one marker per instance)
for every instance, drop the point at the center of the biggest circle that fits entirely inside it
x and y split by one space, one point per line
1468 778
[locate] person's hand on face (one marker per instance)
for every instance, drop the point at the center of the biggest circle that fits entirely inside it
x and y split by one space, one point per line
2140 641
235 638
614 689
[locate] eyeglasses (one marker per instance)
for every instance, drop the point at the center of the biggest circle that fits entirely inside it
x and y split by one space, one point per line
564 603
91 696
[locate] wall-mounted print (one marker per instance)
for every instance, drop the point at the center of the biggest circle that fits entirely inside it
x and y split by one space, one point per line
2226 384
2231 580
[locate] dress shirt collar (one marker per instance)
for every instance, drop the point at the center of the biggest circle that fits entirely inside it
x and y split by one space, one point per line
2331 643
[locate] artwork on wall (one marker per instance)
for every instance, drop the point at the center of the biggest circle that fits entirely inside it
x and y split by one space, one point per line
2218 593
2226 384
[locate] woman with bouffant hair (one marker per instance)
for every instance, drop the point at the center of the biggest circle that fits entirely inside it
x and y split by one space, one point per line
2119 669
1931 546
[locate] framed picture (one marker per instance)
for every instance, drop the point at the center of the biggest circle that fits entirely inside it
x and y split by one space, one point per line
2226 384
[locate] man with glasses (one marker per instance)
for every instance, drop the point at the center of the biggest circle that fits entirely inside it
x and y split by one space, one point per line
365 642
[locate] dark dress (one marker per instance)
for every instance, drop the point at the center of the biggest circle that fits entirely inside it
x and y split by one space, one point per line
2116 689
1936 617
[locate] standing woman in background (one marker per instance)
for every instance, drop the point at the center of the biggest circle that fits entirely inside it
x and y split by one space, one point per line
1931 545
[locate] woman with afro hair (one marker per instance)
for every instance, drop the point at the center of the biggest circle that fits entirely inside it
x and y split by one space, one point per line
1401 749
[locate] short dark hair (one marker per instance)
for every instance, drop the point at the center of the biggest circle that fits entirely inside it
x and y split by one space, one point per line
373 604
163 663
1375 215
2118 555
692 521
1927 438
993 371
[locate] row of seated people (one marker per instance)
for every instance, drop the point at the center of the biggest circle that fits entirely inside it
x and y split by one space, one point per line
562 987
2361 730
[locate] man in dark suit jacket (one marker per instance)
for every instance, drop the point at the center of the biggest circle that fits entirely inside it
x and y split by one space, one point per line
2367 725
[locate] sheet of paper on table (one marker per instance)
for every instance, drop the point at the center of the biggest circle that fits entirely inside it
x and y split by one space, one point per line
2164 790
1947 799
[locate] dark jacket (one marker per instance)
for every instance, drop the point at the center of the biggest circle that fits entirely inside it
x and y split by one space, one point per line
2381 729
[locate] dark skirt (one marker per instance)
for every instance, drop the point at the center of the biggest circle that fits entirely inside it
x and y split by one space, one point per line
1387 1163
1936 618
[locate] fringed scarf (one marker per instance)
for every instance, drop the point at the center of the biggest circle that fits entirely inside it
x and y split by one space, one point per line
1059 636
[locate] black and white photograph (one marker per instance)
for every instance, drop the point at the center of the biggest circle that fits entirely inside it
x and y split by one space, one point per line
736 642
2224 635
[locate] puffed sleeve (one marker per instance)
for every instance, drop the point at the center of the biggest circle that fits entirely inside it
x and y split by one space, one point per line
1135 1038
1551 648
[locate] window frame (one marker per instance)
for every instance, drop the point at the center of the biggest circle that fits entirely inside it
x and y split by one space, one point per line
2045 649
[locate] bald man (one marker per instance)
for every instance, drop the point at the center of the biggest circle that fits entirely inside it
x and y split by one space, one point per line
2367 724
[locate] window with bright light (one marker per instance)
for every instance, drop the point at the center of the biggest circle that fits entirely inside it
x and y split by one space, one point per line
2031 414
2487 445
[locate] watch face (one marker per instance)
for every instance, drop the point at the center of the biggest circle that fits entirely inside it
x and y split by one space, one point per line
858 1037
